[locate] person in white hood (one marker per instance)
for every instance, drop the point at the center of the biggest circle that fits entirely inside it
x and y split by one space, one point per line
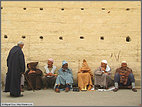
102 76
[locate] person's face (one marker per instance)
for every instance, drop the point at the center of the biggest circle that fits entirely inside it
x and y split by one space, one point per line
21 46
50 63
29 66
124 65
65 66
103 65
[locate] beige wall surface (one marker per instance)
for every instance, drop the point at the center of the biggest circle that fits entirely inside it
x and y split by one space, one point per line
113 20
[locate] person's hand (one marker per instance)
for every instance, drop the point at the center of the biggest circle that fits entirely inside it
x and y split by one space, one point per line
31 72
46 74
103 69
64 70
55 75
106 73
51 74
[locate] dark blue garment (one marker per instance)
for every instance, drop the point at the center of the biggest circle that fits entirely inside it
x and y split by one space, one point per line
16 66
130 79
64 77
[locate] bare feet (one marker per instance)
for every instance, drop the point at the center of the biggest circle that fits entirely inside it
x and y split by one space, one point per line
115 90
67 89
134 90
45 88
57 90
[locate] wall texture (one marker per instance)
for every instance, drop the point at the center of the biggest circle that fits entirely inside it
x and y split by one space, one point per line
91 30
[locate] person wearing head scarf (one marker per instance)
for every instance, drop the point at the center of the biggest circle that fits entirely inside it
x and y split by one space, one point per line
64 77
124 77
85 77
103 76
34 76
16 67
49 77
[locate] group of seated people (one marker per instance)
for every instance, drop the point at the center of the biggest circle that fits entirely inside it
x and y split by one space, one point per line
63 78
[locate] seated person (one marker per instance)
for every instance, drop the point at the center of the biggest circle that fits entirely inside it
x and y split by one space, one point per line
34 76
49 77
103 76
64 77
124 77
85 77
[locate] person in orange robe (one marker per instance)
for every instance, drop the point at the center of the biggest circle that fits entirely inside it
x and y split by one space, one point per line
85 77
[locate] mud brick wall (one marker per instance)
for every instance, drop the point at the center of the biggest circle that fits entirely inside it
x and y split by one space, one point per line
73 31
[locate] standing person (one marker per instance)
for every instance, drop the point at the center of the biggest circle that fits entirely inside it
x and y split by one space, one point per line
16 67
22 82
49 77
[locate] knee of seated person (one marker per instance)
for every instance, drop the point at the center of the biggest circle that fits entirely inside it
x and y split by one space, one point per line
104 74
79 74
70 75
117 74
54 77
44 77
87 74
131 74
58 76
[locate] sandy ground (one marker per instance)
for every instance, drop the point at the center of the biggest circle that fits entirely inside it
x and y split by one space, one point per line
123 97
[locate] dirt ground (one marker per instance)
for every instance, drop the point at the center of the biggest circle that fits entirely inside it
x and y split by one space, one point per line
124 97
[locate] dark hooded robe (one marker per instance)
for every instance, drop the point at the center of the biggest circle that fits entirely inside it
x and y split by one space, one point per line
35 79
16 67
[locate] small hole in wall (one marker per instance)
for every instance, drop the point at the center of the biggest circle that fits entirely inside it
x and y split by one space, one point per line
128 39
61 38
102 38
62 9
128 9
24 8
81 37
23 37
1 7
5 36
41 8
82 8
103 8
41 37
